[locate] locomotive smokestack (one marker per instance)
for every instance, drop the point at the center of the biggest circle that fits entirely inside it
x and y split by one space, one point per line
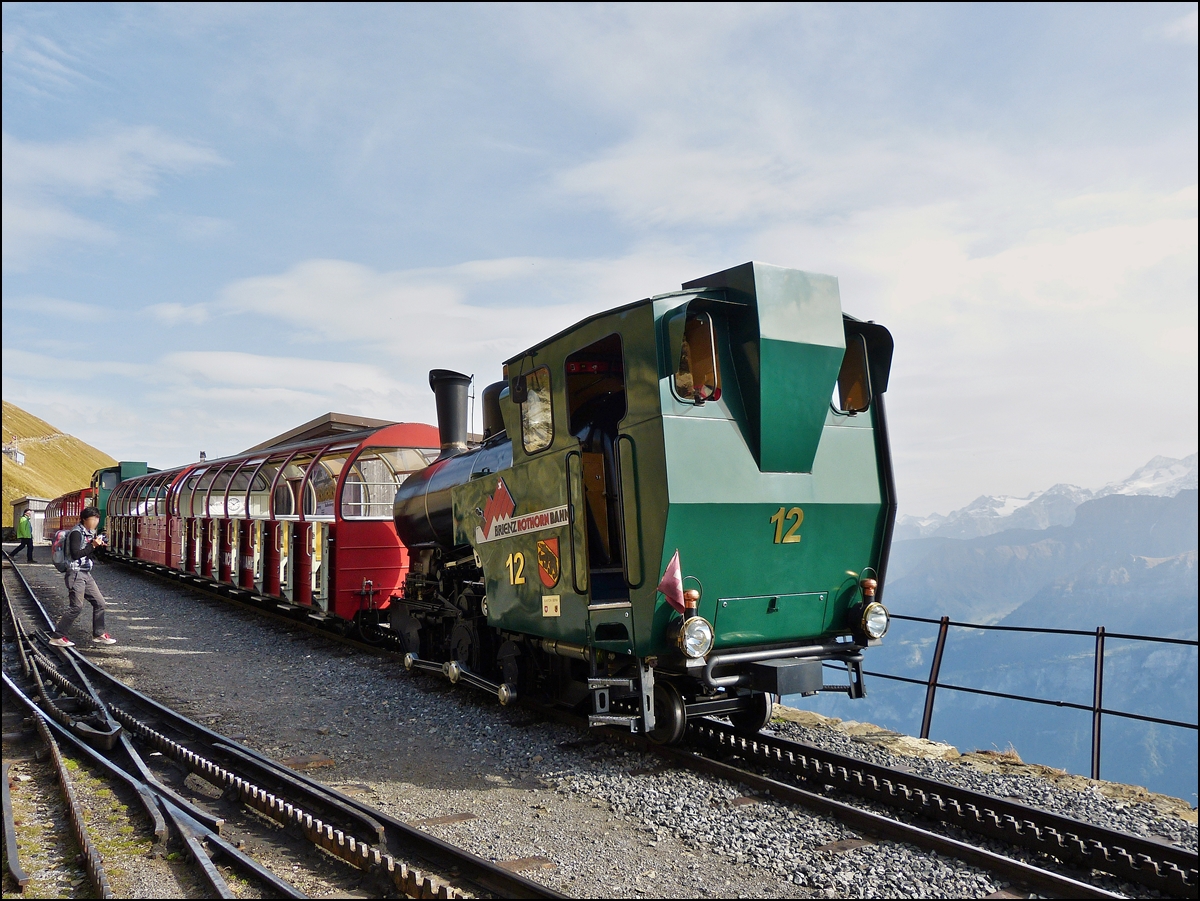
450 394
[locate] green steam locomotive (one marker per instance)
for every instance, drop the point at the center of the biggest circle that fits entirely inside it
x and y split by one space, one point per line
680 507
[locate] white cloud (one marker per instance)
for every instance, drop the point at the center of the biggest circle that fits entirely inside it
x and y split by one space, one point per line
176 313
82 363
39 64
30 226
126 163
40 179
1182 29
65 312
1032 362
471 316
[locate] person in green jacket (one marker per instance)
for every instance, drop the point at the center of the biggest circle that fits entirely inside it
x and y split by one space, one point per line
25 535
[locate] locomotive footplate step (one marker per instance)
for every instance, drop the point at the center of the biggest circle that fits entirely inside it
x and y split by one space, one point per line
612 683
614 720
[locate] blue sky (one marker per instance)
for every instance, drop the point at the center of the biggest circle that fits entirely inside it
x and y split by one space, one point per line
221 221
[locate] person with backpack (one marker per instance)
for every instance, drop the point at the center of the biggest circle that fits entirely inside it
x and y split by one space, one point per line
78 547
25 536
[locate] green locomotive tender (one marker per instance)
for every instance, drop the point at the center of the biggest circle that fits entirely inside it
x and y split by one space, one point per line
688 443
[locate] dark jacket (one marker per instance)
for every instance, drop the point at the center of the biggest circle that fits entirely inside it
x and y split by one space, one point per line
80 549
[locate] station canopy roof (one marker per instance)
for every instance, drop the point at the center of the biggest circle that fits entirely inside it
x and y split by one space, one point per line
329 425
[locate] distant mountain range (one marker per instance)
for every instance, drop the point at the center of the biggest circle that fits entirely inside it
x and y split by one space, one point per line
1056 506
1123 557
987 579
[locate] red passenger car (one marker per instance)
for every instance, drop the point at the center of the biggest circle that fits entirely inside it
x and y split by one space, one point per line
309 522
63 512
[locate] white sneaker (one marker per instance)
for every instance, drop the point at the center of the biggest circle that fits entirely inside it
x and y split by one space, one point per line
63 642
104 639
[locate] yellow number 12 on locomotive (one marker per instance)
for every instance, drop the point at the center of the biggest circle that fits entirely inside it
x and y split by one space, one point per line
656 462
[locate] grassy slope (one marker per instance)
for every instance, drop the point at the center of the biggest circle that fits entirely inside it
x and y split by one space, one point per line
54 463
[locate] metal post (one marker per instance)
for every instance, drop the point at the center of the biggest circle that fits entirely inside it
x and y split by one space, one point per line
1097 701
934 669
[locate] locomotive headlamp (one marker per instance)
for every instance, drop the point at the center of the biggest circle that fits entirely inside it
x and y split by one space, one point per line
695 637
875 620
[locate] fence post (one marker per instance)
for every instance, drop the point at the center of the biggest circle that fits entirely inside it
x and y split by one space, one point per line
934 669
1097 701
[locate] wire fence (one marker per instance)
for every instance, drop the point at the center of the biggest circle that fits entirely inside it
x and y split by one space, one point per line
1096 708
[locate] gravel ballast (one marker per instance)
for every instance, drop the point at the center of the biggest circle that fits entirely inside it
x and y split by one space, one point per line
586 817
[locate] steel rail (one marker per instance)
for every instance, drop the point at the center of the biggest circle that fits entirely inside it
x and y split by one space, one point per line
1170 870
1054 884
1097 860
235 857
93 863
354 848
392 834
192 823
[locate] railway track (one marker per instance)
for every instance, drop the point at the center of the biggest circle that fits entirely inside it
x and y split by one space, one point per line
1170 870
1072 843
147 748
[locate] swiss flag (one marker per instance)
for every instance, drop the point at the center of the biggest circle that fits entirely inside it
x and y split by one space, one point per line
671 585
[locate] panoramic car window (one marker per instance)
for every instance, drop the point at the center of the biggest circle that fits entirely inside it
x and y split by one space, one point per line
185 494
324 482
370 487
260 490
853 391
698 376
537 422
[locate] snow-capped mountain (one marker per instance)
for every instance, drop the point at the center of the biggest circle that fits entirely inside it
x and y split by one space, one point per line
1162 477
986 515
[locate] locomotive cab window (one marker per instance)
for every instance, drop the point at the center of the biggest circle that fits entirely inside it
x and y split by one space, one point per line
852 394
698 373
537 420
596 404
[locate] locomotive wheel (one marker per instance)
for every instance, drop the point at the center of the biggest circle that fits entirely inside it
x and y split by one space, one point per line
511 666
754 718
408 630
463 646
670 715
